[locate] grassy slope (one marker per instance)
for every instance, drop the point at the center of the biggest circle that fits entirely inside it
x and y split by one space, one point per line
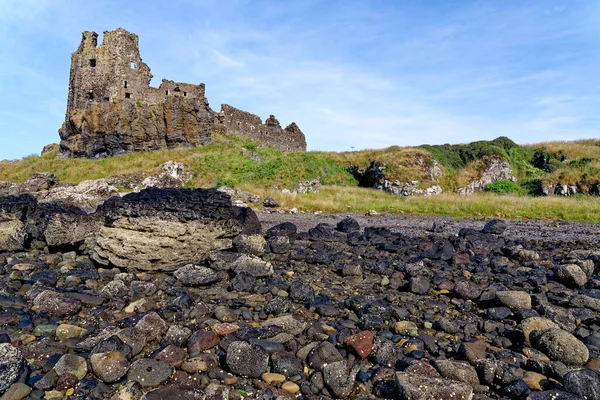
228 161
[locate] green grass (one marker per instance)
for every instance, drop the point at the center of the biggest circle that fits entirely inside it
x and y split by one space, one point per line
263 170
344 199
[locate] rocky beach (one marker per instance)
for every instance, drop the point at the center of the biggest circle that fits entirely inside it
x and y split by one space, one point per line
178 294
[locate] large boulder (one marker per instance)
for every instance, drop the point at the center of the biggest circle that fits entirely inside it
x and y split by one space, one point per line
13 219
164 229
24 220
492 169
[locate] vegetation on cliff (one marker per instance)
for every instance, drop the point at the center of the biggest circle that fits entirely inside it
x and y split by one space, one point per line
261 169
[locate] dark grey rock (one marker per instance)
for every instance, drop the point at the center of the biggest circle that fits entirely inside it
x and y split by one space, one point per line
195 275
247 359
149 372
583 382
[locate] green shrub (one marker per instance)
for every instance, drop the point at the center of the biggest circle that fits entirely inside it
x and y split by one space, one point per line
503 187
251 146
225 181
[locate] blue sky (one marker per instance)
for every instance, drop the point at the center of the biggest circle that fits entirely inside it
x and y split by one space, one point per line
352 74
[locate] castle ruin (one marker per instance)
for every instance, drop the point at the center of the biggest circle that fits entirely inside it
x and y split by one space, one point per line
112 109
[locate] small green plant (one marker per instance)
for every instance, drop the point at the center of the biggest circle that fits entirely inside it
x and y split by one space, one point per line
251 146
139 103
225 181
503 187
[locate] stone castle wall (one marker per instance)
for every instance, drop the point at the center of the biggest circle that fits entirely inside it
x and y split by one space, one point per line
112 108
245 124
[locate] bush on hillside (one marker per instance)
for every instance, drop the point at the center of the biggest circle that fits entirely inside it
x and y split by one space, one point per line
504 186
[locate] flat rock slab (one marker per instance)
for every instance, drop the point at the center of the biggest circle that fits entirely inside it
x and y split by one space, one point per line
164 229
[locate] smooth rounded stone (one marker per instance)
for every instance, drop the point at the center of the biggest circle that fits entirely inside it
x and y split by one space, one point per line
247 359
498 313
467 289
224 314
534 380
286 364
339 378
419 387
196 275
71 364
583 382
200 363
290 387
45 329
353 269
11 365
109 367
571 274
472 351
562 346
457 371
16 391
446 325
202 340
56 304
250 244
66 331
324 353
287 323
301 291
172 354
271 377
243 282
279 244
114 290
406 328
253 265
419 284
178 335
495 226
270 202
134 338
514 299
149 372
535 324
287 229
152 326
553 394
224 328
361 343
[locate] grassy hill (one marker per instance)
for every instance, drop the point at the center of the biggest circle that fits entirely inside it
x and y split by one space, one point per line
236 162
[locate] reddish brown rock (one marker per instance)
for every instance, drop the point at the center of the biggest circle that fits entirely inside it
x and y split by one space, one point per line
361 343
202 340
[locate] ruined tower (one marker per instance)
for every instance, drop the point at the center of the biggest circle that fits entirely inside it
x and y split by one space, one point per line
112 108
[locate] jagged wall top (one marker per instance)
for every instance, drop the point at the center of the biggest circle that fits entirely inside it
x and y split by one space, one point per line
115 71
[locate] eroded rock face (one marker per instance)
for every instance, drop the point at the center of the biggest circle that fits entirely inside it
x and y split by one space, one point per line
496 169
163 229
123 126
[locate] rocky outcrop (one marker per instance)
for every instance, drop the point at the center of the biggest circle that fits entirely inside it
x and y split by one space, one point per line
24 221
494 169
409 189
122 126
46 188
173 175
163 229
245 124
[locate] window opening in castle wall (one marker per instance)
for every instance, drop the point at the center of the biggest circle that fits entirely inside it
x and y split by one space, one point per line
125 84
92 62
90 95
132 65
127 95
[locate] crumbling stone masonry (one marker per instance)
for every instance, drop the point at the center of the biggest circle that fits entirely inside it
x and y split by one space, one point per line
112 108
